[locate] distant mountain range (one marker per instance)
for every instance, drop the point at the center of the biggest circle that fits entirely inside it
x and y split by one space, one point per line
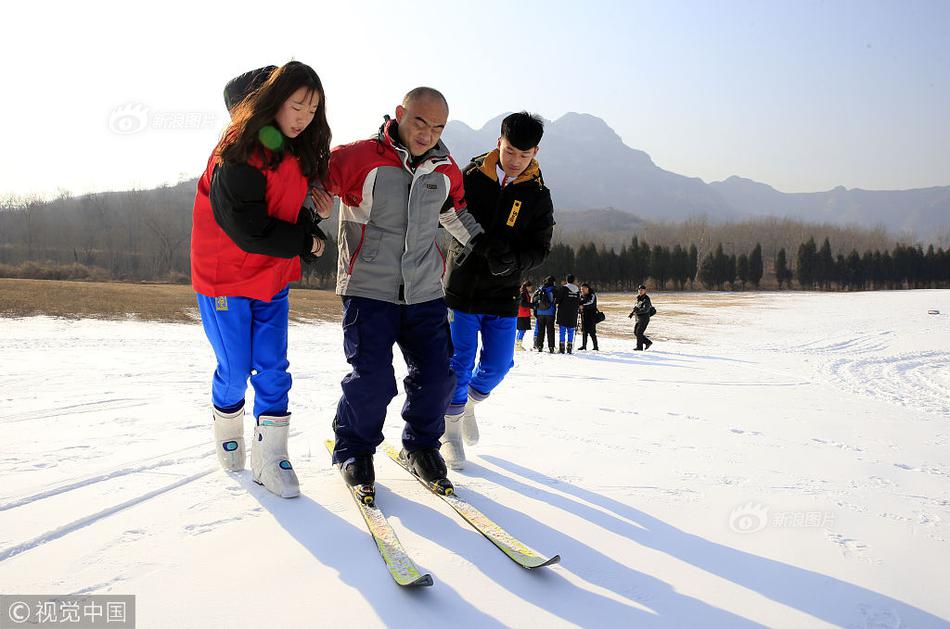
588 167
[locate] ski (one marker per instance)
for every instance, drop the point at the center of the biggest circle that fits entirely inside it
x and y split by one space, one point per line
517 551
400 565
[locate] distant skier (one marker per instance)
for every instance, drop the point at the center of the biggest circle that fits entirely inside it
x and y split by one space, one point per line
588 316
249 231
525 314
643 310
568 300
507 196
543 300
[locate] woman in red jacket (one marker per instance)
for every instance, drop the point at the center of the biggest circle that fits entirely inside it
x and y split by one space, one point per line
249 231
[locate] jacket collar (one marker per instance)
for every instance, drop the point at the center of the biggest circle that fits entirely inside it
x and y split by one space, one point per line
489 161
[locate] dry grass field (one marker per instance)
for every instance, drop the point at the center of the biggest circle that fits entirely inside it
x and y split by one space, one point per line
146 302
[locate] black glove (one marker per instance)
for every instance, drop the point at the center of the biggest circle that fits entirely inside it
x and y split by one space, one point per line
308 257
488 246
503 265
630 316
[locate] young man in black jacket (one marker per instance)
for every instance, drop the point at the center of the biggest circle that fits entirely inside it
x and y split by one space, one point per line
507 196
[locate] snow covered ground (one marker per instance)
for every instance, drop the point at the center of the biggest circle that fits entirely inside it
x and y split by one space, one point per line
775 459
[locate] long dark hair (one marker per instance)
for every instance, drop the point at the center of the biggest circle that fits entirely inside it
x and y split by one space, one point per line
259 109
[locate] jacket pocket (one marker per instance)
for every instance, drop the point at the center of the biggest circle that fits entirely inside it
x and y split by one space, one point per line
371 242
351 329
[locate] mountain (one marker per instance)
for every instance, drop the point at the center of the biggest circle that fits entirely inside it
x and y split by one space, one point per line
587 166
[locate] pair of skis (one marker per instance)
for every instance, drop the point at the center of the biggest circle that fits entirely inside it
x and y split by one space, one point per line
400 565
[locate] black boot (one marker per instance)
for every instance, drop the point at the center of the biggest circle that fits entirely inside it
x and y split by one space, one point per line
648 344
561 348
570 348
430 467
358 472
550 349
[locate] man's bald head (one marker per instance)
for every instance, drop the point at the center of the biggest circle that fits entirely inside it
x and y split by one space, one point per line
427 93
421 117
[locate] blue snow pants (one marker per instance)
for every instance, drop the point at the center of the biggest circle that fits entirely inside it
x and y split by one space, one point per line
496 358
249 338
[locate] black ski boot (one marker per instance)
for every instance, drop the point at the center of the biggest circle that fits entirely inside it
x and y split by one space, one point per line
570 348
430 467
359 474
550 349
648 344
560 349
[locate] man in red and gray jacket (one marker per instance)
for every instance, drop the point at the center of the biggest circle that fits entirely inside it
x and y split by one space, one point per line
396 189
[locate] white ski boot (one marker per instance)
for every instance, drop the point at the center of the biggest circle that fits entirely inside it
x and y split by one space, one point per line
518 346
469 425
451 447
229 438
269 464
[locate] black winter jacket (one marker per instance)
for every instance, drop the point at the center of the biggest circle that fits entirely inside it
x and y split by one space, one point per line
521 216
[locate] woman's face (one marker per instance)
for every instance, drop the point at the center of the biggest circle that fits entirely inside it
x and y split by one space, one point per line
297 112
529 288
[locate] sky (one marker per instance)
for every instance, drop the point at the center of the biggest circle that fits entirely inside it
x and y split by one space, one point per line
801 95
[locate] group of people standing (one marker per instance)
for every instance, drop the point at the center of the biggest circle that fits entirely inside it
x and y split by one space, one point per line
552 305
269 183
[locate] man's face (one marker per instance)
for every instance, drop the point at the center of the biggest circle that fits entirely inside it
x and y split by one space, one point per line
421 123
643 291
514 160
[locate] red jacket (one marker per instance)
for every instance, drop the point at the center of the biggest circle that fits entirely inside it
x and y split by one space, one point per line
218 266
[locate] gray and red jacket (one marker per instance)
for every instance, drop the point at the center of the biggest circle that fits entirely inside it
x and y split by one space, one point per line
391 207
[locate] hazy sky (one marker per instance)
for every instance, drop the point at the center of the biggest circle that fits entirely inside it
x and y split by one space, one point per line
801 95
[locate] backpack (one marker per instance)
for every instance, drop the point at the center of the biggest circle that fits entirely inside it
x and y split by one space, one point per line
652 311
541 299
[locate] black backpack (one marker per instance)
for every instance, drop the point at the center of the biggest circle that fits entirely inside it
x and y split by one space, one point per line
541 299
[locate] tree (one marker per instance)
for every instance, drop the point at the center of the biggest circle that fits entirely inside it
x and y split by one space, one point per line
755 265
782 274
742 268
693 263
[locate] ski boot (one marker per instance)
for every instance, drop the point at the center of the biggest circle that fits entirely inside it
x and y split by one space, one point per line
570 348
469 424
358 473
560 348
229 438
269 464
429 466
451 447
518 346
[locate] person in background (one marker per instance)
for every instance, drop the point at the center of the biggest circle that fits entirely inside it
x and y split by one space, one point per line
524 314
588 316
643 310
568 300
543 301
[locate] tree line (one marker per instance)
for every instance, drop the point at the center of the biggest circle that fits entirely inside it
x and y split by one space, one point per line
144 235
815 268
